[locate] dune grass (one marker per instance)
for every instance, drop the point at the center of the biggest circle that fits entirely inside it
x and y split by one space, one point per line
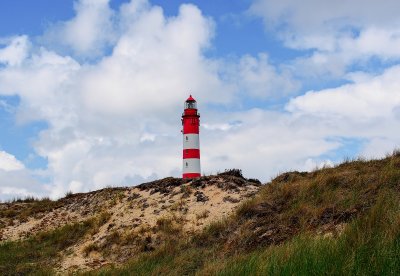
357 202
360 195
39 254
370 245
28 207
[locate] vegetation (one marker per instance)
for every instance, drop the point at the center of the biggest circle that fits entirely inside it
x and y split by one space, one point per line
343 220
335 221
23 208
370 245
39 254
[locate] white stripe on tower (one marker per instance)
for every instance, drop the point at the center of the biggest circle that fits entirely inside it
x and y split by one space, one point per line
191 141
191 165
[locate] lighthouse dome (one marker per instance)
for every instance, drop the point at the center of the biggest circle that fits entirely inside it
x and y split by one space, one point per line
190 103
190 99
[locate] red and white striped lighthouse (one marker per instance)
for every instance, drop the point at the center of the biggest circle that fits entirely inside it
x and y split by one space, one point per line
191 142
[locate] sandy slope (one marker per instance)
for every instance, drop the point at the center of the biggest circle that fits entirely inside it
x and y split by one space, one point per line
133 212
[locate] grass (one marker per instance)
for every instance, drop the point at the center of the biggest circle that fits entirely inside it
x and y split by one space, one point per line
39 254
29 207
167 260
361 194
92 247
204 214
343 220
370 245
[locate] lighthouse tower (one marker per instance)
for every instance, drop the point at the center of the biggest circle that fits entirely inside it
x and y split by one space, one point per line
191 143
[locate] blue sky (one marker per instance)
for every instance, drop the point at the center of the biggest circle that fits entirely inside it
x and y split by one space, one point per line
91 90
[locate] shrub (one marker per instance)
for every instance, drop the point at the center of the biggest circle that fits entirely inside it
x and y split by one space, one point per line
233 172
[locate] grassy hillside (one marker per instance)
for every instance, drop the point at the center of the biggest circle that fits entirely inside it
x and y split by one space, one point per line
336 221
129 220
39 254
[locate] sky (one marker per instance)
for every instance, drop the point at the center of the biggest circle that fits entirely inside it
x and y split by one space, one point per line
92 91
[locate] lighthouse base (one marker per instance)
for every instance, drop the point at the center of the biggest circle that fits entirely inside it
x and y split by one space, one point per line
191 175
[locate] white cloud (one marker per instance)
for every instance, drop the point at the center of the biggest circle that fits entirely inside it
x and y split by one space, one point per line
88 33
382 44
116 120
316 17
369 98
264 144
21 183
16 50
15 180
366 109
102 116
75 186
338 33
312 164
42 83
270 142
11 192
147 137
221 126
258 78
379 147
8 162
154 65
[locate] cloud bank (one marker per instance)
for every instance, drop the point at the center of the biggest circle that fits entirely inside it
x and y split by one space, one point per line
110 85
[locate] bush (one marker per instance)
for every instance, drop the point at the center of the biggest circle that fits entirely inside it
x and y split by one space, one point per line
233 172
69 194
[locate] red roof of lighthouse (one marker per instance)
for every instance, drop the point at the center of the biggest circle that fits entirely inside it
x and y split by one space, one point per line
190 99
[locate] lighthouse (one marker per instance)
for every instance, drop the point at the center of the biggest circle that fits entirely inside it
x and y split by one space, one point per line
191 141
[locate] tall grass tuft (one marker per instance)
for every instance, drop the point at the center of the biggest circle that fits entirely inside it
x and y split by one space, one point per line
39 254
369 246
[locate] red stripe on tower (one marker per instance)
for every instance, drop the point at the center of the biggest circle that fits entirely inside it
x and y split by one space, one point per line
191 153
191 141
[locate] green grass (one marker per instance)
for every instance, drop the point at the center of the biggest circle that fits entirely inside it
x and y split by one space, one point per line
369 245
39 254
308 256
362 195
167 260
29 207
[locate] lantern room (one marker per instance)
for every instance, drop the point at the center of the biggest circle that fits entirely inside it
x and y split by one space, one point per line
190 103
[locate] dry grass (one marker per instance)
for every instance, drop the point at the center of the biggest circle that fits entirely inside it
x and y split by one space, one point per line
280 231
39 254
337 221
92 247
22 209
203 215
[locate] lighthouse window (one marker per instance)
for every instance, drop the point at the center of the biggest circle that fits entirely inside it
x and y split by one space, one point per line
191 105
186 164
186 138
